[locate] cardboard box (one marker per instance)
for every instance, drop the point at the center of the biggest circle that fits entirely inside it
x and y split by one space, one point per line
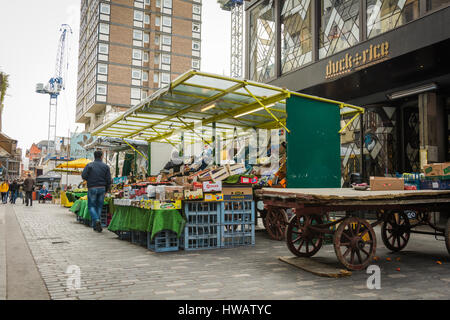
383 183
158 205
212 186
445 169
213 197
433 169
219 174
237 192
193 195
237 168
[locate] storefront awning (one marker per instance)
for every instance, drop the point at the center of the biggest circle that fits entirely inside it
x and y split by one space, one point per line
187 108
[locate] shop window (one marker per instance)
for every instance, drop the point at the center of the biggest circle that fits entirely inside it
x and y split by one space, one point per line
384 15
296 34
436 4
262 41
339 26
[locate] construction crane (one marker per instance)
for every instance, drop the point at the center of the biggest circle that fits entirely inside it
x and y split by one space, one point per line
56 84
237 34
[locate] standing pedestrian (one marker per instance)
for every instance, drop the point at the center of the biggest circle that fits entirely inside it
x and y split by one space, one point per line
28 186
98 178
14 188
4 187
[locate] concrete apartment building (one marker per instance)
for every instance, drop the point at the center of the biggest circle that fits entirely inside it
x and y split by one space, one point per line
130 48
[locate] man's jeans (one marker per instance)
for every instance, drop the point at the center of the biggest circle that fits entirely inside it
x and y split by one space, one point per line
29 197
13 196
96 196
5 197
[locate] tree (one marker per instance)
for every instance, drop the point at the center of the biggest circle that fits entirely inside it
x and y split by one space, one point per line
4 84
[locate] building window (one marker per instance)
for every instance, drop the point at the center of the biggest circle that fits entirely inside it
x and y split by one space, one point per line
196 64
101 89
137 54
435 4
102 68
157 39
137 35
136 74
147 2
104 8
157 21
196 9
168 4
138 15
158 5
135 93
165 77
144 76
156 58
156 77
145 56
147 19
144 94
104 28
195 45
384 15
167 21
339 27
195 26
146 37
262 41
167 40
103 48
165 58
296 34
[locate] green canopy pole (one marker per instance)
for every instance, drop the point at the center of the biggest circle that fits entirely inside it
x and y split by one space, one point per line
117 164
135 164
214 136
149 163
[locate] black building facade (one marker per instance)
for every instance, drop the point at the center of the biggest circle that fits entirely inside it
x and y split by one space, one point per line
390 56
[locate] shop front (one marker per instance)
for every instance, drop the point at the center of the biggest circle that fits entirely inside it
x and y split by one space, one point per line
390 57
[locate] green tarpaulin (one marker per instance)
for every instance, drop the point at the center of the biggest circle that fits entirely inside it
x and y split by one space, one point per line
80 208
153 221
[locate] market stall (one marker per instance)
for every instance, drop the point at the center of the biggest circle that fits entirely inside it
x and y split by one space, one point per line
229 138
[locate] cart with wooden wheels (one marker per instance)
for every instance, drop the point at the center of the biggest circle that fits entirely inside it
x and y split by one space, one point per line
354 237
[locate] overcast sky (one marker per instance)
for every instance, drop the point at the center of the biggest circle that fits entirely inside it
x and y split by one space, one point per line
29 35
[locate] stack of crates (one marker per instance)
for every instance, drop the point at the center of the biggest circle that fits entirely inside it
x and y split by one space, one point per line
139 238
202 229
163 241
104 216
237 227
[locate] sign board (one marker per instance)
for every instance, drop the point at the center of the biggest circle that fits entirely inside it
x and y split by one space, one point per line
77 143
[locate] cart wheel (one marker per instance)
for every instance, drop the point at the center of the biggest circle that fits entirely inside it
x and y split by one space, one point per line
395 231
447 234
275 222
355 243
300 239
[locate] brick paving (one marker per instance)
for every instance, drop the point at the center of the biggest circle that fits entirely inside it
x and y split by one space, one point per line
115 269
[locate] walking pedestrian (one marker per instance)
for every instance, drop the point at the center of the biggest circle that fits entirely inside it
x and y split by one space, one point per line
4 187
20 192
14 188
98 178
28 186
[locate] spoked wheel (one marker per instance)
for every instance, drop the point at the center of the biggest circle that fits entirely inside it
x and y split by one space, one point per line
447 234
275 222
355 243
300 238
395 231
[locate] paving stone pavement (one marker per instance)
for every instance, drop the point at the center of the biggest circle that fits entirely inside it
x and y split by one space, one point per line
115 269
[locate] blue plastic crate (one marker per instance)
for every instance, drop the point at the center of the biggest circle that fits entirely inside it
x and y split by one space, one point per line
430 185
204 242
444 185
139 238
242 211
237 234
200 213
163 241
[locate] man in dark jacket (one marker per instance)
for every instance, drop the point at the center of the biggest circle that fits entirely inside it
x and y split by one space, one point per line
98 177
13 188
28 186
